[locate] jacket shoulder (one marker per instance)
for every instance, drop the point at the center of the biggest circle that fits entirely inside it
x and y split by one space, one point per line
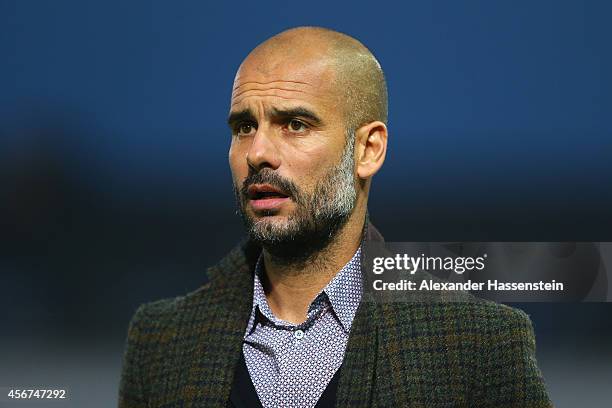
164 334
476 327
152 331
484 350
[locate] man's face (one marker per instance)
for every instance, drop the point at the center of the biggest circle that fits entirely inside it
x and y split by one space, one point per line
291 160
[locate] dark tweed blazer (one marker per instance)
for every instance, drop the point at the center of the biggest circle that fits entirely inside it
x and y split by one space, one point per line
183 352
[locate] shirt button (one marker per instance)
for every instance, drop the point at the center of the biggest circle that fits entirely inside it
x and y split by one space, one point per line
299 334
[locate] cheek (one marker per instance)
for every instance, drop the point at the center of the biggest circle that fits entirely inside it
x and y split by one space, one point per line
310 167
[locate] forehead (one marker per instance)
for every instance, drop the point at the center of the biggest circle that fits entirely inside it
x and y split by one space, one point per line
284 80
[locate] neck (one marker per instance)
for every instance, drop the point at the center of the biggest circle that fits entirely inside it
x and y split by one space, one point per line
290 288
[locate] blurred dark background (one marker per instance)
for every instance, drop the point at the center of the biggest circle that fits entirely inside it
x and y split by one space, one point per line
115 188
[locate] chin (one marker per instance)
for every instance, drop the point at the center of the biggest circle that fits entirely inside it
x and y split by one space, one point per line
274 221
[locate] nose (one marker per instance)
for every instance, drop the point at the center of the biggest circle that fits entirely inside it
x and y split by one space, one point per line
263 151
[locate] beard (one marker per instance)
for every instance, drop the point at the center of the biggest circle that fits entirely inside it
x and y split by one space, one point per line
317 218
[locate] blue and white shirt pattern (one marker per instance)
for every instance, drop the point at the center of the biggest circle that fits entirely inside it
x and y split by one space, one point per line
291 365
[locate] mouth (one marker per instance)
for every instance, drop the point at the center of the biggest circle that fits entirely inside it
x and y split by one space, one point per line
266 197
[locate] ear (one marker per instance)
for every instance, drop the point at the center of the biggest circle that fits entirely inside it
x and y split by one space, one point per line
371 148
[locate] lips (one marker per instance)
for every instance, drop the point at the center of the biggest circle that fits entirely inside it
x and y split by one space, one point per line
263 191
266 197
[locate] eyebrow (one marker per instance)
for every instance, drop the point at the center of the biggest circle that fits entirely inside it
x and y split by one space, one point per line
298 112
282 114
240 116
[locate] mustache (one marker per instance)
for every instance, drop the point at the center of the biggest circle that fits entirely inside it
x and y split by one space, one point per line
267 176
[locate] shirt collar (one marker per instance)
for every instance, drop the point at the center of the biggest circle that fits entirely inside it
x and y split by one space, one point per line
344 293
345 289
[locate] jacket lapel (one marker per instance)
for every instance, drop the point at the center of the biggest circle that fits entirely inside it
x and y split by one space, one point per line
359 366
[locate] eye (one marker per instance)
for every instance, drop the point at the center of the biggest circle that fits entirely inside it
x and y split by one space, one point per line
296 125
245 128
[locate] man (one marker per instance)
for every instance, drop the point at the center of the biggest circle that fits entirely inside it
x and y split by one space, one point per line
283 320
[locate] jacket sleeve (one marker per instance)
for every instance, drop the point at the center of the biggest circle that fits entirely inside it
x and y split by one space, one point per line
131 389
509 376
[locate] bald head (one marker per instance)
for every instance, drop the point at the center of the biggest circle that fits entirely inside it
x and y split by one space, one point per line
348 68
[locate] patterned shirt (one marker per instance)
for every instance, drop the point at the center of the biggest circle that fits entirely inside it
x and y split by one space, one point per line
291 365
